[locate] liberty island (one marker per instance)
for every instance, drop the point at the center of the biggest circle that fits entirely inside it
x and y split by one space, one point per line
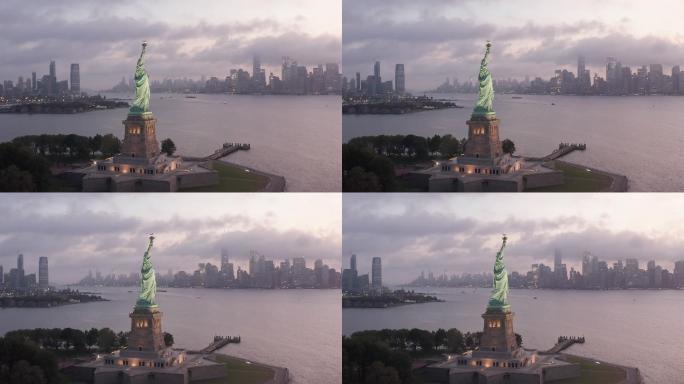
148 358
500 357
484 166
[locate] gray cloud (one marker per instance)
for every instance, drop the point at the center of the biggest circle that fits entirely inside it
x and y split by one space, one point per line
107 46
434 44
78 238
418 238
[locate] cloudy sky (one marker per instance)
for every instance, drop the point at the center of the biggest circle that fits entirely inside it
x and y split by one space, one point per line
462 232
436 39
109 232
186 39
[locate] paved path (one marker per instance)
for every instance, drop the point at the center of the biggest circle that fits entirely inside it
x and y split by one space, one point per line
633 374
619 183
275 183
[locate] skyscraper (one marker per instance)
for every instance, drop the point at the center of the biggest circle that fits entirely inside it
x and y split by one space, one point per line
557 261
224 260
352 263
377 85
20 262
580 67
256 65
52 80
399 78
43 272
376 276
358 81
75 78
34 84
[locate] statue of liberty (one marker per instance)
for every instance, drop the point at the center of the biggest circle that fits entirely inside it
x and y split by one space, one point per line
141 104
498 300
148 282
483 107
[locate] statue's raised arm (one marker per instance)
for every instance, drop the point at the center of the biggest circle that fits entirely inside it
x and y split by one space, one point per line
483 106
141 104
148 281
498 300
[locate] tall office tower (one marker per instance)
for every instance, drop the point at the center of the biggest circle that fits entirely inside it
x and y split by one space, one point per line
51 86
676 85
2 276
376 276
399 78
358 81
256 65
377 78
352 263
20 262
224 260
557 261
581 66
43 272
75 78
34 84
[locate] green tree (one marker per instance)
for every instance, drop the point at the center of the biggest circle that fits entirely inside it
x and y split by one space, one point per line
384 168
440 337
434 143
13 179
111 145
168 147
455 342
106 339
95 143
508 146
23 159
449 146
168 339
92 336
24 373
358 180
377 373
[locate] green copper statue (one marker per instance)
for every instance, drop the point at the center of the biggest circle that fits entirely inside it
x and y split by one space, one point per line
141 104
483 107
498 300
148 282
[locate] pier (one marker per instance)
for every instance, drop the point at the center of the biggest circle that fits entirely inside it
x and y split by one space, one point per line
218 343
227 149
564 149
564 342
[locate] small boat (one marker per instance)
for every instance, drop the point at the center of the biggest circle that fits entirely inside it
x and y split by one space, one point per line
553 103
535 297
190 97
516 97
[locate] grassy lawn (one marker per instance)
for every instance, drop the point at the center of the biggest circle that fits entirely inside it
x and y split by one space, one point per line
577 179
233 179
240 372
594 373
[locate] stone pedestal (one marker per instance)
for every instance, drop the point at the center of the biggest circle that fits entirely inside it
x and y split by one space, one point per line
498 335
146 333
140 137
483 137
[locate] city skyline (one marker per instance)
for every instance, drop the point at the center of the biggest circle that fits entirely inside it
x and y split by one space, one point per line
183 42
460 235
436 40
83 235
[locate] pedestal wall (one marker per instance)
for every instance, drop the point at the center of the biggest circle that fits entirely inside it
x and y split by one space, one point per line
146 332
140 137
498 335
483 138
